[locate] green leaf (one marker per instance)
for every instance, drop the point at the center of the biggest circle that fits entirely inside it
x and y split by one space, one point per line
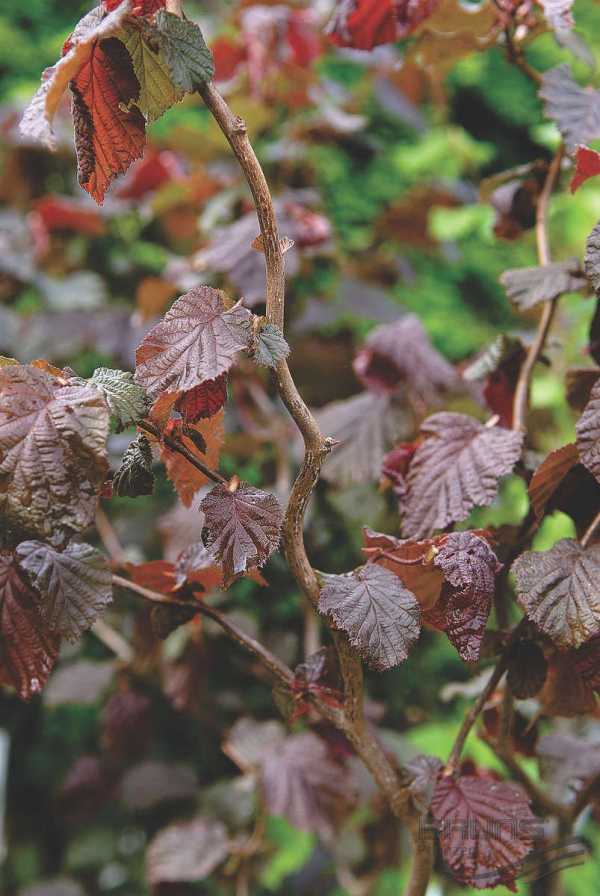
157 91
126 401
270 347
189 59
135 477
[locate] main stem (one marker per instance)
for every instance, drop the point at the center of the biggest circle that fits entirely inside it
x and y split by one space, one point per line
352 722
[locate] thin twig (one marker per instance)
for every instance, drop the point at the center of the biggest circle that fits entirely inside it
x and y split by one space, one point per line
541 229
476 708
174 445
280 671
589 532
109 538
114 641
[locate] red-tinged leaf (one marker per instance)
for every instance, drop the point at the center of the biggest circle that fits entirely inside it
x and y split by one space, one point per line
139 7
157 575
196 567
243 527
185 477
109 135
549 476
203 400
411 561
93 27
28 651
366 426
486 829
469 566
587 164
186 851
401 354
197 341
457 467
301 783
574 109
64 213
579 382
380 616
52 450
566 693
127 724
587 662
592 258
75 586
499 366
559 590
86 788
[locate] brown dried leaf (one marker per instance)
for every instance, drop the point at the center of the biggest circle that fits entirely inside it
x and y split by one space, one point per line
302 784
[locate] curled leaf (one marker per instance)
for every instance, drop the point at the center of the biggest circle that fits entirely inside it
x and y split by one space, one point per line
74 586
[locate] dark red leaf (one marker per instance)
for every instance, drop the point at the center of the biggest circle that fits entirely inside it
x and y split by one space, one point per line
486 829
28 651
127 724
587 662
527 669
566 693
457 467
243 527
108 135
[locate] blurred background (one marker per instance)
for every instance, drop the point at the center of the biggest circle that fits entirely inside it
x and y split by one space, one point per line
393 173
